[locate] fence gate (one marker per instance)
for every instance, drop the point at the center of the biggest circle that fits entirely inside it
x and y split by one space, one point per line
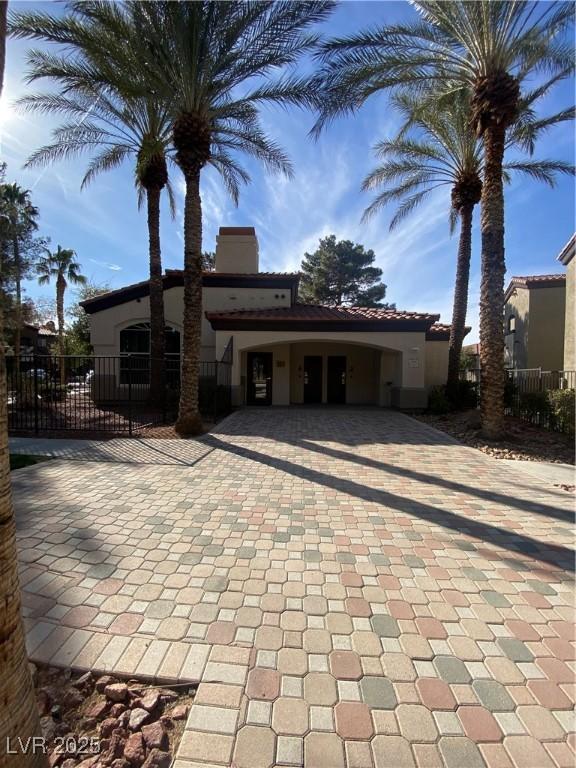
53 393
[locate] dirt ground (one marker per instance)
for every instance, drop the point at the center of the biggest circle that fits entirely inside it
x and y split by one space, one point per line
522 441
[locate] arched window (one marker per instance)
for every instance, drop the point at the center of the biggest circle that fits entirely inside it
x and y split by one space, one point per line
135 353
511 324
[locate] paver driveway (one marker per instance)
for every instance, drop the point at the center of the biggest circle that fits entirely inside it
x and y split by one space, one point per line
351 588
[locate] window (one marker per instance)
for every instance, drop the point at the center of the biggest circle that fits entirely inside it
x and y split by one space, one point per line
511 324
135 353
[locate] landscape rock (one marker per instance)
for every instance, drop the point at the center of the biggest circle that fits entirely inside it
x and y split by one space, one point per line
115 747
87 723
48 727
158 759
55 758
117 709
88 762
72 698
134 749
179 712
103 681
84 681
167 722
138 717
116 692
107 726
155 736
167 695
150 700
44 701
69 763
97 709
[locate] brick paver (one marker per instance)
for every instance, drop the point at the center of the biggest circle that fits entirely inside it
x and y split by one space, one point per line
349 587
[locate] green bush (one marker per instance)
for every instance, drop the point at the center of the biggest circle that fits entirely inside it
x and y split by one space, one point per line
438 401
465 396
562 406
534 404
510 391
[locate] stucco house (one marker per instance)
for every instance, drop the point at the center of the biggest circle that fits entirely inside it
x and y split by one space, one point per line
282 352
534 317
566 257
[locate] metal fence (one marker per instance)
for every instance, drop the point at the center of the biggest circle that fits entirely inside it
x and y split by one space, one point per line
544 398
53 393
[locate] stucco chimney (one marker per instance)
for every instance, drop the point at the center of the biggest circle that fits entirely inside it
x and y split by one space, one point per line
236 250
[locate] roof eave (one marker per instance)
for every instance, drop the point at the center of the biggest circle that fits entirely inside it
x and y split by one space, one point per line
340 326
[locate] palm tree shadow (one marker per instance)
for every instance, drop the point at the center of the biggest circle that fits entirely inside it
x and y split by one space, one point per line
552 554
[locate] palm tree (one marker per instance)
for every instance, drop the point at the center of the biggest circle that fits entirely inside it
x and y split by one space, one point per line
211 62
435 148
62 267
105 119
19 711
491 47
21 215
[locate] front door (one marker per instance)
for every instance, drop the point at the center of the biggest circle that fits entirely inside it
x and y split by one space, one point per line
336 384
312 378
259 370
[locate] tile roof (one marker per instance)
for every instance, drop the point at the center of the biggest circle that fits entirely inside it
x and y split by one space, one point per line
315 316
321 312
534 281
441 332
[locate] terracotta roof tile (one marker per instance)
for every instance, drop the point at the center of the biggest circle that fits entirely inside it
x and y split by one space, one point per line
525 279
317 312
534 281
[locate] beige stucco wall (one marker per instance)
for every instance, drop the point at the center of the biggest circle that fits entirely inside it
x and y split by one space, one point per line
538 340
516 343
105 326
362 371
546 337
395 361
436 369
364 366
570 318
410 344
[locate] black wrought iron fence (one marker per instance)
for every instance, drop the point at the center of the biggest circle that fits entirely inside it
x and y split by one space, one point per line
544 398
52 393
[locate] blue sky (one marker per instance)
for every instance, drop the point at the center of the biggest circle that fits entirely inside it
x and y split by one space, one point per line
103 225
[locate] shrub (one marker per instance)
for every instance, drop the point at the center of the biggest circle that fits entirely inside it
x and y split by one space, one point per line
534 405
510 392
562 406
465 396
438 401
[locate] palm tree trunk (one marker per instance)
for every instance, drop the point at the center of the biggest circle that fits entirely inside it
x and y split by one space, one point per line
492 378
460 306
189 421
3 19
18 313
60 288
18 708
157 345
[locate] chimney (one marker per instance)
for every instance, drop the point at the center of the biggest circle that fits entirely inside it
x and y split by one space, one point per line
237 250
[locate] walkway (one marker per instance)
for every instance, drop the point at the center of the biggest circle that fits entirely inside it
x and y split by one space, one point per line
350 589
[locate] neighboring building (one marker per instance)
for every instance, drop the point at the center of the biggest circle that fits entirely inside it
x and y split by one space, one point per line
566 257
472 353
282 352
534 316
34 339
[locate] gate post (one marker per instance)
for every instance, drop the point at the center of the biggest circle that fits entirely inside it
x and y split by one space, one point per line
130 395
35 363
